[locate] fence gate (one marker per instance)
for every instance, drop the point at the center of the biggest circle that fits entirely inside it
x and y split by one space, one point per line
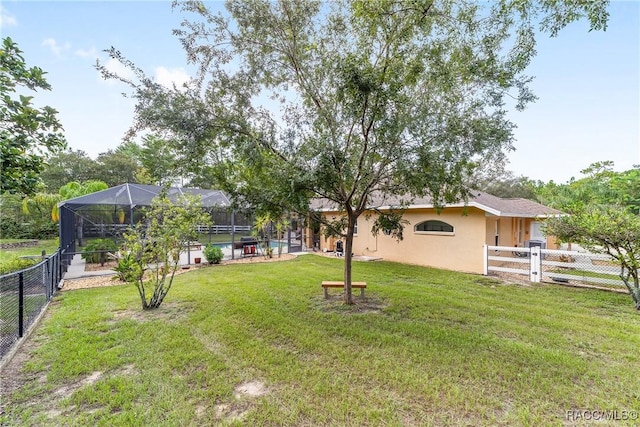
556 266
506 259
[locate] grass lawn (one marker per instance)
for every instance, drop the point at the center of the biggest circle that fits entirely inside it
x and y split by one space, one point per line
256 344
48 245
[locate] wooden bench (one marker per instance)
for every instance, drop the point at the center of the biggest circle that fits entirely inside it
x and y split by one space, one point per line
328 284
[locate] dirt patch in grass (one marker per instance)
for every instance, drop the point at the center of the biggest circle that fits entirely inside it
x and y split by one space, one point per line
335 304
168 311
68 389
250 389
12 377
244 393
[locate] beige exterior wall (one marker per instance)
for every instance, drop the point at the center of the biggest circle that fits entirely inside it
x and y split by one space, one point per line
508 233
461 251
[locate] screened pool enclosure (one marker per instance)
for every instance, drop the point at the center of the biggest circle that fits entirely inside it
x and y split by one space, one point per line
108 213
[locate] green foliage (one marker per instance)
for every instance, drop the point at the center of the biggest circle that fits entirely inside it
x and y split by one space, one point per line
76 189
68 166
99 246
265 225
12 228
10 258
26 133
36 229
153 247
115 168
507 185
127 268
601 185
610 230
213 254
36 220
160 159
16 264
390 223
41 207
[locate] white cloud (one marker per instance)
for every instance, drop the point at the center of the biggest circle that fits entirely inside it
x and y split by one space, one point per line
87 53
168 78
57 49
6 19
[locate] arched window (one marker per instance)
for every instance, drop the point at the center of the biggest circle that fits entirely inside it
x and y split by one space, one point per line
433 226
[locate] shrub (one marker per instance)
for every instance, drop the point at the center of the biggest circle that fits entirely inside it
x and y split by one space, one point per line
213 254
128 269
16 264
11 228
43 230
170 226
91 254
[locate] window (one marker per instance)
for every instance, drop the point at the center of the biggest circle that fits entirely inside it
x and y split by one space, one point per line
434 226
355 228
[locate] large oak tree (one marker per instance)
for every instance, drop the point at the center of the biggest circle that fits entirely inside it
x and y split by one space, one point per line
340 101
27 133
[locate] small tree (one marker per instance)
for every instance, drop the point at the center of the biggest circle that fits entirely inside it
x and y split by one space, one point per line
610 230
153 247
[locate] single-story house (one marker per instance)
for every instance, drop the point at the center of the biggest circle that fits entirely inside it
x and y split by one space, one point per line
451 238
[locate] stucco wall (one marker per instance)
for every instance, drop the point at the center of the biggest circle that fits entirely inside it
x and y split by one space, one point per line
461 251
508 234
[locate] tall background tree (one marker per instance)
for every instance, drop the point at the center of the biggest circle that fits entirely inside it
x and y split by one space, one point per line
601 185
349 102
67 166
27 134
160 160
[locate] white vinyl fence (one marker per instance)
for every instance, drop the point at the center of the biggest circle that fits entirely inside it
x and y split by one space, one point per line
548 265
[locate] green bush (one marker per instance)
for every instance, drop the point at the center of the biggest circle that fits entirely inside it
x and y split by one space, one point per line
43 230
16 264
11 228
128 269
213 254
91 254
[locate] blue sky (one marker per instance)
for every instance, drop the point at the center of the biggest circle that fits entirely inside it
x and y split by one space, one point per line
588 83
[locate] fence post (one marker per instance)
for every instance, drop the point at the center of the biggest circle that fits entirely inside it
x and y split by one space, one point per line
536 265
485 267
20 304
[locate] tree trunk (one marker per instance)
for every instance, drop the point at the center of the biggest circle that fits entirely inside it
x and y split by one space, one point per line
634 285
348 251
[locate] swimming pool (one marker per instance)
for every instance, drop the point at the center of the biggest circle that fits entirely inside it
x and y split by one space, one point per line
272 244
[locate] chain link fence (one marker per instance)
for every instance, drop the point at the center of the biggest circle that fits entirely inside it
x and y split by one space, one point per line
23 296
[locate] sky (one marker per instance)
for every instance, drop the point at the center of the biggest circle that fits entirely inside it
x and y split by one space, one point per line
587 83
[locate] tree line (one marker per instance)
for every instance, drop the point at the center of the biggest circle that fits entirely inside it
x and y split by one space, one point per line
152 161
